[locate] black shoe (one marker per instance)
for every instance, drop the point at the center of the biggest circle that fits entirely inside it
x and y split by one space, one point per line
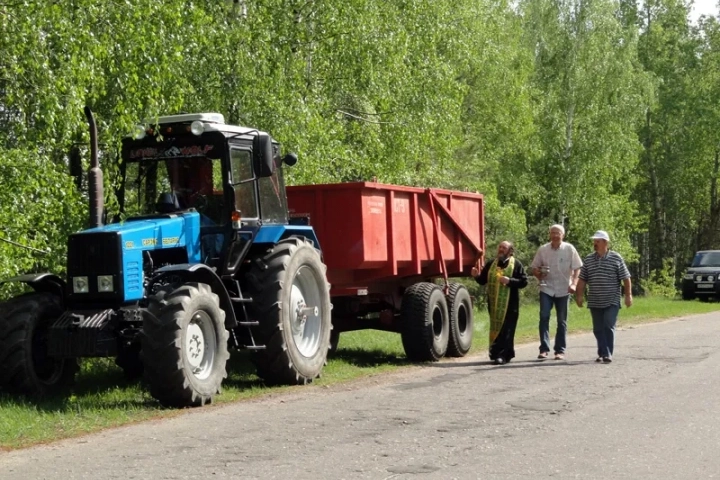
598 360
499 361
607 360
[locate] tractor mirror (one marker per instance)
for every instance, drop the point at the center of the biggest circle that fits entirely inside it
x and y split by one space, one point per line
263 160
290 159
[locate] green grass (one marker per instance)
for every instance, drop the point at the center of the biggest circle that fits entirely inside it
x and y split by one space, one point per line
102 398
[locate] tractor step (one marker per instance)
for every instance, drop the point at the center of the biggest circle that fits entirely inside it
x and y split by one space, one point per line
249 324
241 300
255 347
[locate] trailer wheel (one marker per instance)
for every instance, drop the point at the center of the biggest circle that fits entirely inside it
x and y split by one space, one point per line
184 345
25 367
461 320
291 300
425 322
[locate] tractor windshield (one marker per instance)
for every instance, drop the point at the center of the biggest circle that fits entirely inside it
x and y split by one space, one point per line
173 184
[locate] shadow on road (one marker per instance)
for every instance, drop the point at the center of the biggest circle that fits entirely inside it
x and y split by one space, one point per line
367 358
512 365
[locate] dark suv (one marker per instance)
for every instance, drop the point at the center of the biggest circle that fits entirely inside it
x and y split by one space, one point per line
702 279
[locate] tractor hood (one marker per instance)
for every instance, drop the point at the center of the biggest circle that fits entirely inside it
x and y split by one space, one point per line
157 231
117 250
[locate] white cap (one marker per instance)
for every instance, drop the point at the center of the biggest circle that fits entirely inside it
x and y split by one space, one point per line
601 235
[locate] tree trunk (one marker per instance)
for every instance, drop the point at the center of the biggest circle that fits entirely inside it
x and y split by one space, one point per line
710 233
657 227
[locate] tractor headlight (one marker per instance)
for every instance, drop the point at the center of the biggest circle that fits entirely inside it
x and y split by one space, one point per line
105 283
80 285
711 278
197 127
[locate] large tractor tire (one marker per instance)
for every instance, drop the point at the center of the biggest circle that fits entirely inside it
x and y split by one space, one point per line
291 300
184 345
425 322
25 367
461 320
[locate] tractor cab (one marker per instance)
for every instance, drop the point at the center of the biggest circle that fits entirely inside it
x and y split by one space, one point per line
230 175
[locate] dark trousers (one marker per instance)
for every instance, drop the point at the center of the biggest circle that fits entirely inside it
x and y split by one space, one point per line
561 308
604 320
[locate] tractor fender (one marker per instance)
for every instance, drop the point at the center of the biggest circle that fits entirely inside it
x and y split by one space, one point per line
42 282
273 234
199 272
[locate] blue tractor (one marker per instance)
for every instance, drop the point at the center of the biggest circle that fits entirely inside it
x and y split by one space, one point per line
202 259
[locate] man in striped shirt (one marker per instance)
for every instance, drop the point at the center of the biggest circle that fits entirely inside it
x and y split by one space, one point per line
604 271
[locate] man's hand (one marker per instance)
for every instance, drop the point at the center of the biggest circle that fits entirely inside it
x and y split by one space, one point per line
628 301
571 288
504 280
579 292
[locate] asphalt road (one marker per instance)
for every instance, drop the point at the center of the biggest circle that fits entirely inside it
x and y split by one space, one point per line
653 413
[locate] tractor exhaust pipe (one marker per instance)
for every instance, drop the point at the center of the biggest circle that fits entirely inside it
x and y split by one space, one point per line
95 176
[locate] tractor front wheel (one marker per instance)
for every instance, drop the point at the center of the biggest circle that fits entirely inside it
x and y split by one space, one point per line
25 366
184 345
291 300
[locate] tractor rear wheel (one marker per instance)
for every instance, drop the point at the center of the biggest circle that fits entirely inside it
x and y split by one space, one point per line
291 300
184 345
461 320
425 322
25 366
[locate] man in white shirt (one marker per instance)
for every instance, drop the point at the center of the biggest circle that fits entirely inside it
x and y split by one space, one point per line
557 265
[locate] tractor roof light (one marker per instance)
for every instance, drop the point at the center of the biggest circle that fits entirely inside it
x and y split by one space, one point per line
139 132
197 127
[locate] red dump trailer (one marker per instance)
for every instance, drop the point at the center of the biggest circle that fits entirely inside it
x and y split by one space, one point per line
384 247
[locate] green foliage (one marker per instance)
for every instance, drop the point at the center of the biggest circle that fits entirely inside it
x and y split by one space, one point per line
593 114
589 97
38 209
661 283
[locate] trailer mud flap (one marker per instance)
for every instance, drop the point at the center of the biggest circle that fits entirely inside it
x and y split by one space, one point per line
83 334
